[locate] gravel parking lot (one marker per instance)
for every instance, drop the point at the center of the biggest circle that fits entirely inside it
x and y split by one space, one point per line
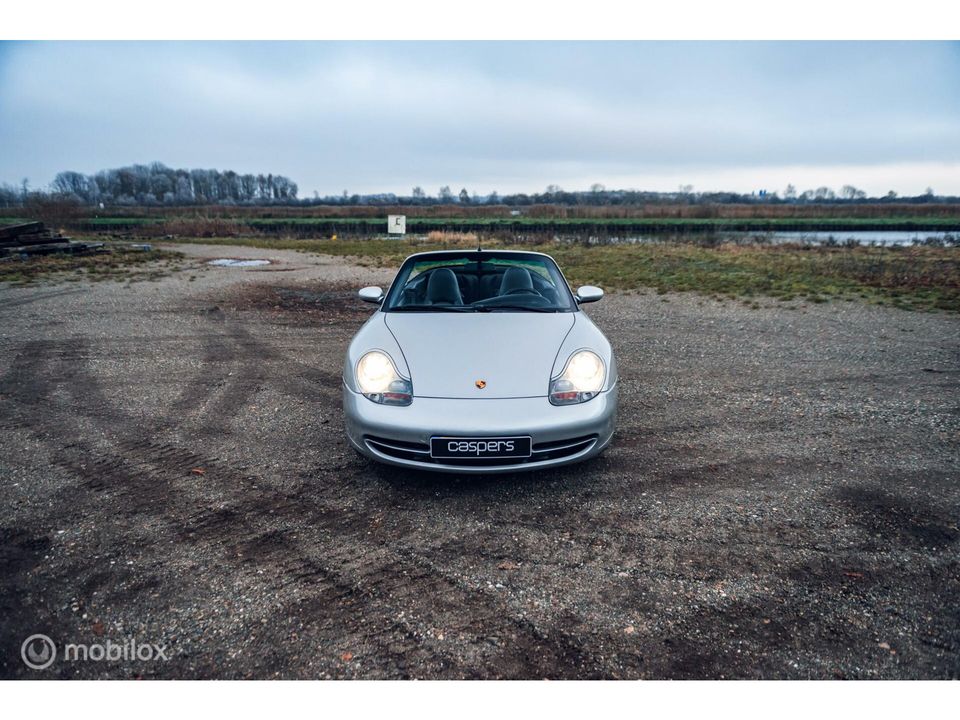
781 499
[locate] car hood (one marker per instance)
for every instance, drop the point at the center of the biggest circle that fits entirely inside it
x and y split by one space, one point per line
448 353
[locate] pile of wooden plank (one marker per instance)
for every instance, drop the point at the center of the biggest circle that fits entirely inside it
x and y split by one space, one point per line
33 238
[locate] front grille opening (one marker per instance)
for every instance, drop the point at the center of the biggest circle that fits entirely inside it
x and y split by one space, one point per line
411 446
556 444
562 448
420 452
401 449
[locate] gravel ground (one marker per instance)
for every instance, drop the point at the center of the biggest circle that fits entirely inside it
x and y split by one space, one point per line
781 499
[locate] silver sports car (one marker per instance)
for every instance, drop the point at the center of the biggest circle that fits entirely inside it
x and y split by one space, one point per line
479 361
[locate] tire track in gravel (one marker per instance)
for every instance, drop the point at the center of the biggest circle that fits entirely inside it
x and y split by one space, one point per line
234 368
145 477
13 302
392 581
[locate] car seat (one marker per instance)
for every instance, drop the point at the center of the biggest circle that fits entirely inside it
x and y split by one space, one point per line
442 288
515 279
468 287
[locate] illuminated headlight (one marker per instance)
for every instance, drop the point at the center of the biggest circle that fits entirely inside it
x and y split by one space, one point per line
581 379
380 382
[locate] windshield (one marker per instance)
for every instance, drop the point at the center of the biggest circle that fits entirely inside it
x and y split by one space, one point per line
484 281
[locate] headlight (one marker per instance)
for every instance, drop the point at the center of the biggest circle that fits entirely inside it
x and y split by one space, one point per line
581 379
380 382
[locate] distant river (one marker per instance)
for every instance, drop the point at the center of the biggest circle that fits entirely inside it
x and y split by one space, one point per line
820 237
864 237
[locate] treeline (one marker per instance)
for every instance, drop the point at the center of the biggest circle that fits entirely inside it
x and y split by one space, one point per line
157 184
653 211
599 196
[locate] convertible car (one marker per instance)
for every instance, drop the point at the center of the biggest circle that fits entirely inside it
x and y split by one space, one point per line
479 361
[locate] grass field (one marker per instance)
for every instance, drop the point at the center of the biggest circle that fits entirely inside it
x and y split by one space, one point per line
116 265
910 278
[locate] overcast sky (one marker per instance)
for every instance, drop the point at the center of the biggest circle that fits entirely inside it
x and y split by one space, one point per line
383 117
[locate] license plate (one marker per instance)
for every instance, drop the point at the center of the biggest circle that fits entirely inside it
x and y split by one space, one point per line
480 448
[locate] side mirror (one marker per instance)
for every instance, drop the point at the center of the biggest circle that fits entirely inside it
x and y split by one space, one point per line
371 295
588 293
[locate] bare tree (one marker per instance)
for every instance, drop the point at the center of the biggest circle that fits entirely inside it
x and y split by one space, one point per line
849 192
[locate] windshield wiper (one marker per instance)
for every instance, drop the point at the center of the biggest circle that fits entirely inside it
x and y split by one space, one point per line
431 308
491 308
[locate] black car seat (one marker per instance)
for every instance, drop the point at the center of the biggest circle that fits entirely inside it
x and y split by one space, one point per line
489 285
549 292
442 288
468 287
515 279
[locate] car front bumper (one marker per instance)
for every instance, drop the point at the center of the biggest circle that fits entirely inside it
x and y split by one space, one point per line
401 435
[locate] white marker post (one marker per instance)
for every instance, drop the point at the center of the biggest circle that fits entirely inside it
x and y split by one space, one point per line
397 224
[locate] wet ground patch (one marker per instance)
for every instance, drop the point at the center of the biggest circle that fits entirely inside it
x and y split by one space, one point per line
238 262
316 303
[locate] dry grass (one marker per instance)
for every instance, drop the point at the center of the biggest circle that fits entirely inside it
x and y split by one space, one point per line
912 278
203 227
444 237
117 265
649 211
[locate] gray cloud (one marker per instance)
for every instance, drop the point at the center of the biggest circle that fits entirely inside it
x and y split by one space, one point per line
385 116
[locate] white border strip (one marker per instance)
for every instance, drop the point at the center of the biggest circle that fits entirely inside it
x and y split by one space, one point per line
491 19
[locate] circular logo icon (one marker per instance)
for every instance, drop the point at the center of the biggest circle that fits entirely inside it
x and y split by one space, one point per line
38 652
481 384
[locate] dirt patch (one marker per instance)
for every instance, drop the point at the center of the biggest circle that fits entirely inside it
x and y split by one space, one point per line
316 303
